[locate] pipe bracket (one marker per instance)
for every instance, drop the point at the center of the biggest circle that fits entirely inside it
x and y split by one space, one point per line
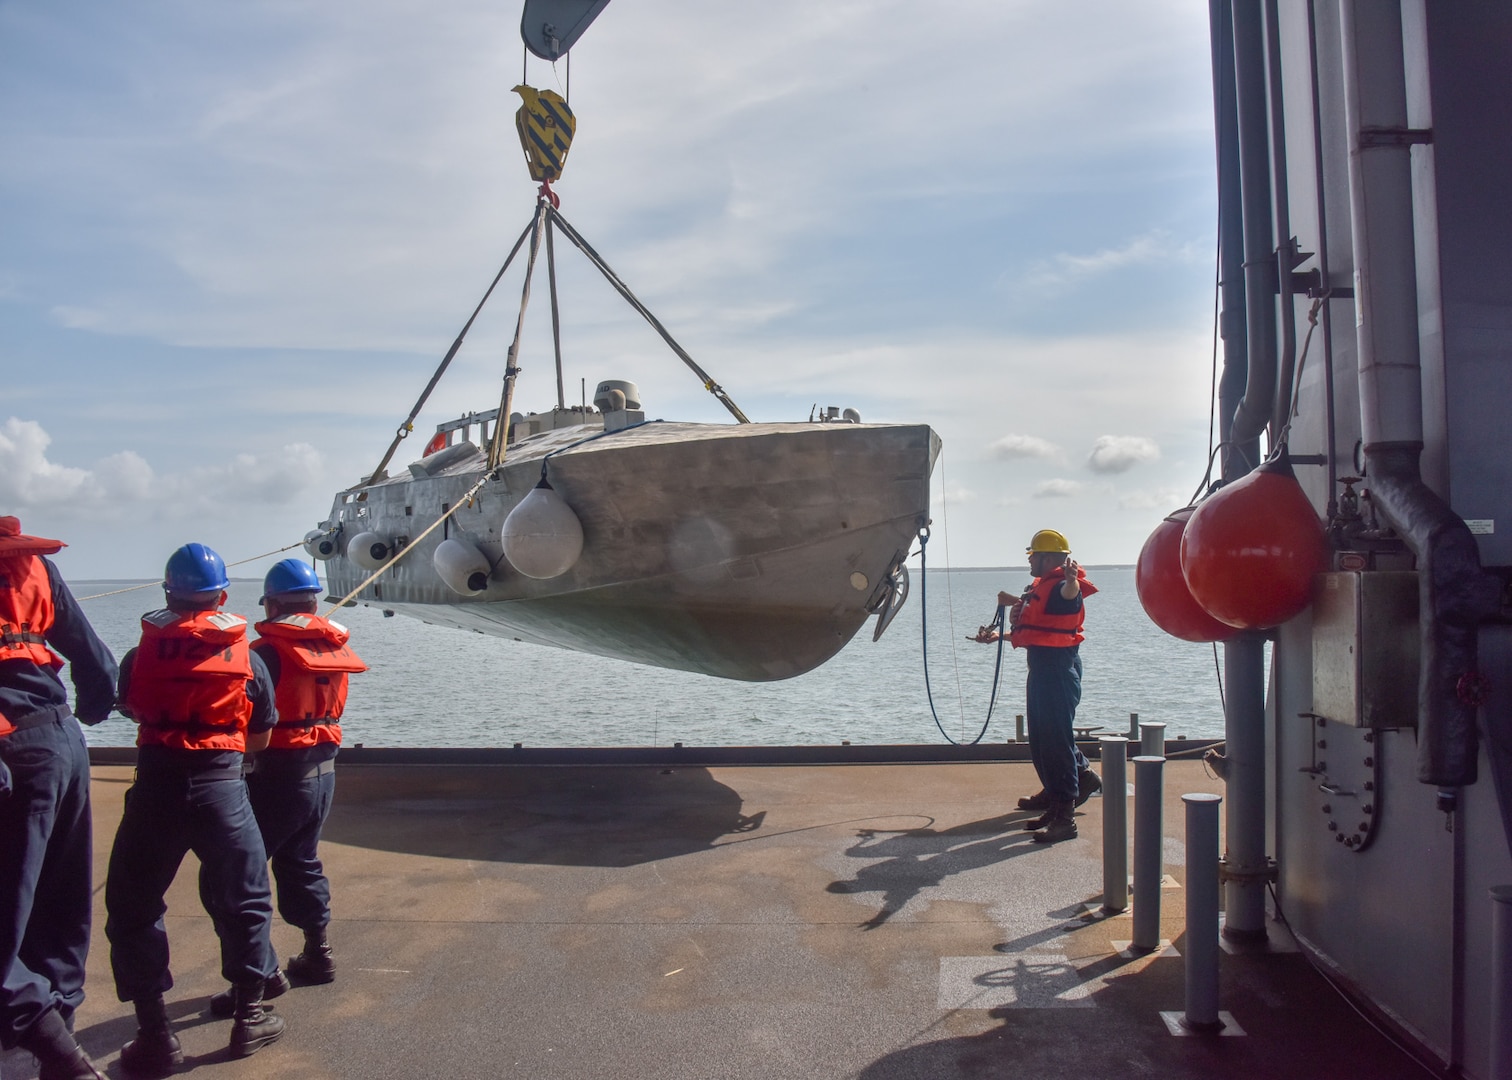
1264 876
1375 138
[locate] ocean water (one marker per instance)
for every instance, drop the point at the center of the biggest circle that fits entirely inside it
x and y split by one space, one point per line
433 686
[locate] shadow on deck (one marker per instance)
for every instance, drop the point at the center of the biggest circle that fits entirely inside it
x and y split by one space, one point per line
872 921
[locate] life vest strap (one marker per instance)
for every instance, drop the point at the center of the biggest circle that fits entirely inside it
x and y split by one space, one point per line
188 725
24 636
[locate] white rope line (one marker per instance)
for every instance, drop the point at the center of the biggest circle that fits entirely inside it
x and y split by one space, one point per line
402 552
155 584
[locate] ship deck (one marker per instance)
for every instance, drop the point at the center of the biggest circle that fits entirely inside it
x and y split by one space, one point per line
870 921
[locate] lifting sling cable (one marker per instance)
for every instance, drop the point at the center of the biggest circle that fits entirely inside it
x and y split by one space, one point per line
998 624
506 402
609 275
556 319
409 423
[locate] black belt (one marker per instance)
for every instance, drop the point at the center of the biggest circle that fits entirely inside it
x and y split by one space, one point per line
188 772
31 720
282 771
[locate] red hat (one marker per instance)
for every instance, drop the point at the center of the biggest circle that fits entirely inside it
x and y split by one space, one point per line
15 542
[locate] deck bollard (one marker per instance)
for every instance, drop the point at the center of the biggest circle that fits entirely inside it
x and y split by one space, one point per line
1114 753
1018 728
1202 912
1152 739
1149 796
1133 727
1501 982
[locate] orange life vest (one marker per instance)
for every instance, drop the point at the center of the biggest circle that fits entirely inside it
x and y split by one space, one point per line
26 611
189 681
1036 626
26 614
314 661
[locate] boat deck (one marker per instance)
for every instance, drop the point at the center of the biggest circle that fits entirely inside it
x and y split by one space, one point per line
871 921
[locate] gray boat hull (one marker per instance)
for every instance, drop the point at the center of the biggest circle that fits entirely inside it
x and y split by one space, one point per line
750 552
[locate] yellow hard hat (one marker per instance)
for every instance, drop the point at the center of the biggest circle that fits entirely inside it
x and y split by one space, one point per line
1048 540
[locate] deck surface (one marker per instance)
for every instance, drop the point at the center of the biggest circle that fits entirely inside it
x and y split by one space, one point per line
870 921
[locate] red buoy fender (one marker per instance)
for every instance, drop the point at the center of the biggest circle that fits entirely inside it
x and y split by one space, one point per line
1251 550
1163 590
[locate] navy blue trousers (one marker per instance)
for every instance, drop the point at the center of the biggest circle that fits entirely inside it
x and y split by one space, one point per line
45 863
290 812
170 812
1052 694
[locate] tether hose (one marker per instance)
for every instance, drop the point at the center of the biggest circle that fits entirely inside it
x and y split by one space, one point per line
997 624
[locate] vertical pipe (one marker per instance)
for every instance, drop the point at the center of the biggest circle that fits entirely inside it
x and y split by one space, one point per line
1149 798
1115 806
1324 272
1260 281
1501 982
1230 237
1244 729
1133 727
1018 728
1244 657
1202 912
1152 739
1282 246
1454 594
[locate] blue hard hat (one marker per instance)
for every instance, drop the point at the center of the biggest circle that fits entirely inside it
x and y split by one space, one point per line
195 568
290 576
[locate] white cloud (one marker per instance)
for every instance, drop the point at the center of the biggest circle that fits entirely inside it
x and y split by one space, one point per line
1120 453
1154 248
952 495
28 480
1163 499
1058 489
1020 447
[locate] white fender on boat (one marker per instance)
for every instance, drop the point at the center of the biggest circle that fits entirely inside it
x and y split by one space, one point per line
542 536
320 544
368 550
462 566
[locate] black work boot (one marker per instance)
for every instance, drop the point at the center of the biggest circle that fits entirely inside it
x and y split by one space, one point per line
254 1027
1035 802
316 964
1040 822
224 1003
1088 784
1061 825
155 1051
58 1056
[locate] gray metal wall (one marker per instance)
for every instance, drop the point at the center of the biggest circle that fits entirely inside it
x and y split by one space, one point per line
1408 920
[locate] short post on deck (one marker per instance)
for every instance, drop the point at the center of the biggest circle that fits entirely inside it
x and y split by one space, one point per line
1151 739
1149 796
1202 892
1115 804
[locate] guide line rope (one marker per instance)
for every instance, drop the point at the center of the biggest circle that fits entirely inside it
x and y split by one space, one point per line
465 500
155 584
998 623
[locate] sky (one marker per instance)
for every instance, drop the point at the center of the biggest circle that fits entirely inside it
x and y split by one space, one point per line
238 238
